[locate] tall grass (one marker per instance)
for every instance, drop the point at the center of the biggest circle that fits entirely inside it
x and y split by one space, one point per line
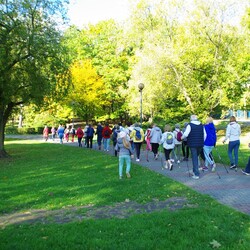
52 177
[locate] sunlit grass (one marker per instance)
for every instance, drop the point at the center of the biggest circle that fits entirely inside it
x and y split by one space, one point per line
53 177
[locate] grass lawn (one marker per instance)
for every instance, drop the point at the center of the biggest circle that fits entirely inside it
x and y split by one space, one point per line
82 204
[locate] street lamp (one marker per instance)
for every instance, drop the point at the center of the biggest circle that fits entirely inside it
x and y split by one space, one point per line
141 87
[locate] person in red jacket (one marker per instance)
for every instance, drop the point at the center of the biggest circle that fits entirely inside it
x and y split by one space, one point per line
46 133
106 133
79 134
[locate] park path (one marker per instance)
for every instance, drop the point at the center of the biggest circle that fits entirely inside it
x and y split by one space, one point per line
229 187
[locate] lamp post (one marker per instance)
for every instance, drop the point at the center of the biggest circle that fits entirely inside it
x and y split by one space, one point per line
141 87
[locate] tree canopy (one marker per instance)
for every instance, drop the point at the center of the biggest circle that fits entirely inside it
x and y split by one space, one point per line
191 58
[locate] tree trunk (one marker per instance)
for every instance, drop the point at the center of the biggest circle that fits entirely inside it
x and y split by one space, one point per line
3 153
4 115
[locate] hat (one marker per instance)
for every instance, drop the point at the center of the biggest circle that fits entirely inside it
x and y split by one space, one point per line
122 134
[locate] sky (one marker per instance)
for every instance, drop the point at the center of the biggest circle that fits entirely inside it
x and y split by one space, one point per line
82 12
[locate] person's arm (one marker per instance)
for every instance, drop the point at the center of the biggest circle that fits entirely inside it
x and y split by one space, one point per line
186 133
227 133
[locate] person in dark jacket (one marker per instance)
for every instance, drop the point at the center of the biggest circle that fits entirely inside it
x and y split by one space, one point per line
209 143
196 135
99 135
90 135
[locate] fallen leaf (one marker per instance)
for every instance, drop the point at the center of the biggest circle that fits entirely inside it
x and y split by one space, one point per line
215 244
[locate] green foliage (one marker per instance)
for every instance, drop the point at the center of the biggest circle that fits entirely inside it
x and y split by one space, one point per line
31 54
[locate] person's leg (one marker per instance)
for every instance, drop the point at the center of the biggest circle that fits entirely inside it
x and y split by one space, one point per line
121 161
207 150
108 141
169 162
247 169
157 148
104 144
236 152
128 165
230 150
114 143
178 152
183 150
91 141
194 154
154 148
137 150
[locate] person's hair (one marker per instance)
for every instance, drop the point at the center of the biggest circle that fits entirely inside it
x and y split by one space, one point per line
209 119
106 124
167 128
232 119
194 118
126 143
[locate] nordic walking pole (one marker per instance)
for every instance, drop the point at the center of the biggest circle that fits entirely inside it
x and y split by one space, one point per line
162 167
189 175
221 159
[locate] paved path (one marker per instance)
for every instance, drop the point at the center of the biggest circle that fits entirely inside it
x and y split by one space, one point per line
228 187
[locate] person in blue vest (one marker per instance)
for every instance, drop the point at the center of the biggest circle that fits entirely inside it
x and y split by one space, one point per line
196 135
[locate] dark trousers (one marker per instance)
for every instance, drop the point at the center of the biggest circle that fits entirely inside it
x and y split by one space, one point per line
248 166
167 153
185 149
195 152
89 141
137 149
155 147
79 141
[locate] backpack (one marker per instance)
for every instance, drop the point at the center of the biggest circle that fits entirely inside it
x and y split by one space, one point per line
179 135
169 139
106 133
137 135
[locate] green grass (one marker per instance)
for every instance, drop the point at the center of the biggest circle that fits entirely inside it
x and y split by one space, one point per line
52 177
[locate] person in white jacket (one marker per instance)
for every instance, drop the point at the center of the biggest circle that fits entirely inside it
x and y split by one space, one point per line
155 137
168 144
233 134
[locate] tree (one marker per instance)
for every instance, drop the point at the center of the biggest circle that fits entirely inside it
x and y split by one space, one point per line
87 89
31 55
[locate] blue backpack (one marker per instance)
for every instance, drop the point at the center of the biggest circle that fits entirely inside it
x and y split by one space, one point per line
137 135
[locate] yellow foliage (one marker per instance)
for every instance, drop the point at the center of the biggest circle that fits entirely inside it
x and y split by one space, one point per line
87 85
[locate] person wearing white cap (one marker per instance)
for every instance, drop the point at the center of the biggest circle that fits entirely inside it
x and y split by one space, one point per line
124 149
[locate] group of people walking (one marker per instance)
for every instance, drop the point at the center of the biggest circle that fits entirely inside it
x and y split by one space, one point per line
178 144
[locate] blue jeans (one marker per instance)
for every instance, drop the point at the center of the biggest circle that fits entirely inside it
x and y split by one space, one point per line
207 150
106 143
247 169
233 146
195 154
127 159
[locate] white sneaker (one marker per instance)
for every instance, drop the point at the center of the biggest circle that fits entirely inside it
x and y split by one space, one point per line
172 160
137 159
195 177
178 161
213 167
